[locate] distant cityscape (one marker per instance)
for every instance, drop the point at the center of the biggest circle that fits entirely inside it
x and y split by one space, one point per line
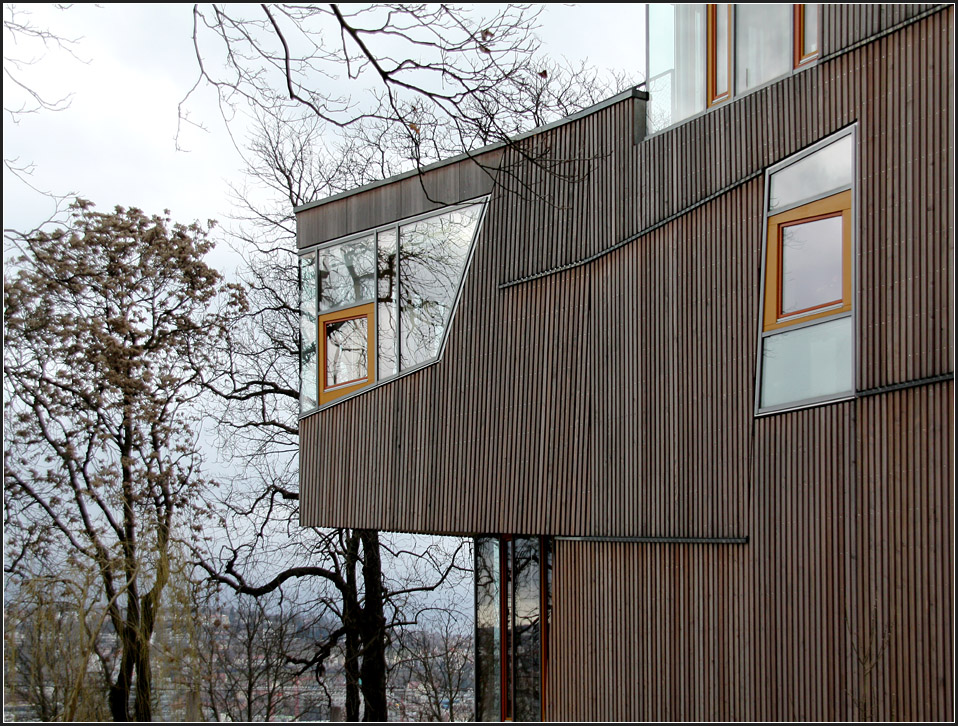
230 665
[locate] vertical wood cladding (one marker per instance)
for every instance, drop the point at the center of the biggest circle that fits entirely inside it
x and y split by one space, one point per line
615 397
389 202
840 607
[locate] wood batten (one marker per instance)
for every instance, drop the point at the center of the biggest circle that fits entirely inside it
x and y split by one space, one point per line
598 382
839 608
439 186
615 398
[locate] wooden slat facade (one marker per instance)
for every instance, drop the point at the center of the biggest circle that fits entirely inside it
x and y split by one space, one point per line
596 385
840 607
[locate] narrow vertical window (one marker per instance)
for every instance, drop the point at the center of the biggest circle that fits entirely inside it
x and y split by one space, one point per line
488 630
719 52
387 309
307 333
806 338
513 580
805 33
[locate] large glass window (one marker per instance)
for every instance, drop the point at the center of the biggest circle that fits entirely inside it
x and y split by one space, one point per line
379 304
699 55
676 47
806 343
512 617
432 256
763 42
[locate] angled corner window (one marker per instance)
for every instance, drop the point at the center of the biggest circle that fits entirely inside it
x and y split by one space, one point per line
806 352
379 304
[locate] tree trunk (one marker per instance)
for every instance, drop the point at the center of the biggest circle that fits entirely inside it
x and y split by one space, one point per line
373 631
352 623
352 675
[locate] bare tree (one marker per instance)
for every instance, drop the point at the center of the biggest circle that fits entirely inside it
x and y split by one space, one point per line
437 659
56 653
22 39
471 81
101 453
24 44
248 647
411 83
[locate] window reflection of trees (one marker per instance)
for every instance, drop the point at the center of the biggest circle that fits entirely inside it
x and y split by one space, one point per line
413 276
347 273
346 358
488 632
515 642
309 344
527 640
386 312
432 256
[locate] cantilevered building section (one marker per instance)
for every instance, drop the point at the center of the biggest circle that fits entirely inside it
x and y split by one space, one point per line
691 388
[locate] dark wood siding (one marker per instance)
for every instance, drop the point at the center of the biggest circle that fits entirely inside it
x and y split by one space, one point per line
389 202
845 24
840 607
615 397
599 381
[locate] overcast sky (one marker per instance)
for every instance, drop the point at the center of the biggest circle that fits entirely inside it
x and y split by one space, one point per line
114 144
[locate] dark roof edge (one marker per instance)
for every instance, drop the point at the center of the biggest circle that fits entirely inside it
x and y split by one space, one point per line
635 92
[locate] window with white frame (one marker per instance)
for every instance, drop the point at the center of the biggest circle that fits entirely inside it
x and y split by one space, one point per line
806 336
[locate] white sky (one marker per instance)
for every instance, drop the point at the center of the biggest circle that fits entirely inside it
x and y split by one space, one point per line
115 142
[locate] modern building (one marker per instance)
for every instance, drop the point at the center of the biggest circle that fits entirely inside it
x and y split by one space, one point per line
683 365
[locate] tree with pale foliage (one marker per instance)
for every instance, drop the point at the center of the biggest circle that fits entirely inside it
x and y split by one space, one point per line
106 320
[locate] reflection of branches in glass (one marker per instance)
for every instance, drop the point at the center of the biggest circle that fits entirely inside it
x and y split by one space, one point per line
488 706
432 258
386 312
346 358
527 640
417 280
309 345
347 273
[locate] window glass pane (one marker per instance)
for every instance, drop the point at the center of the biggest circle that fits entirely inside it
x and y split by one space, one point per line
308 351
763 44
677 46
807 363
347 273
488 632
810 31
387 312
811 264
827 170
346 352
432 257
721 49
528 641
